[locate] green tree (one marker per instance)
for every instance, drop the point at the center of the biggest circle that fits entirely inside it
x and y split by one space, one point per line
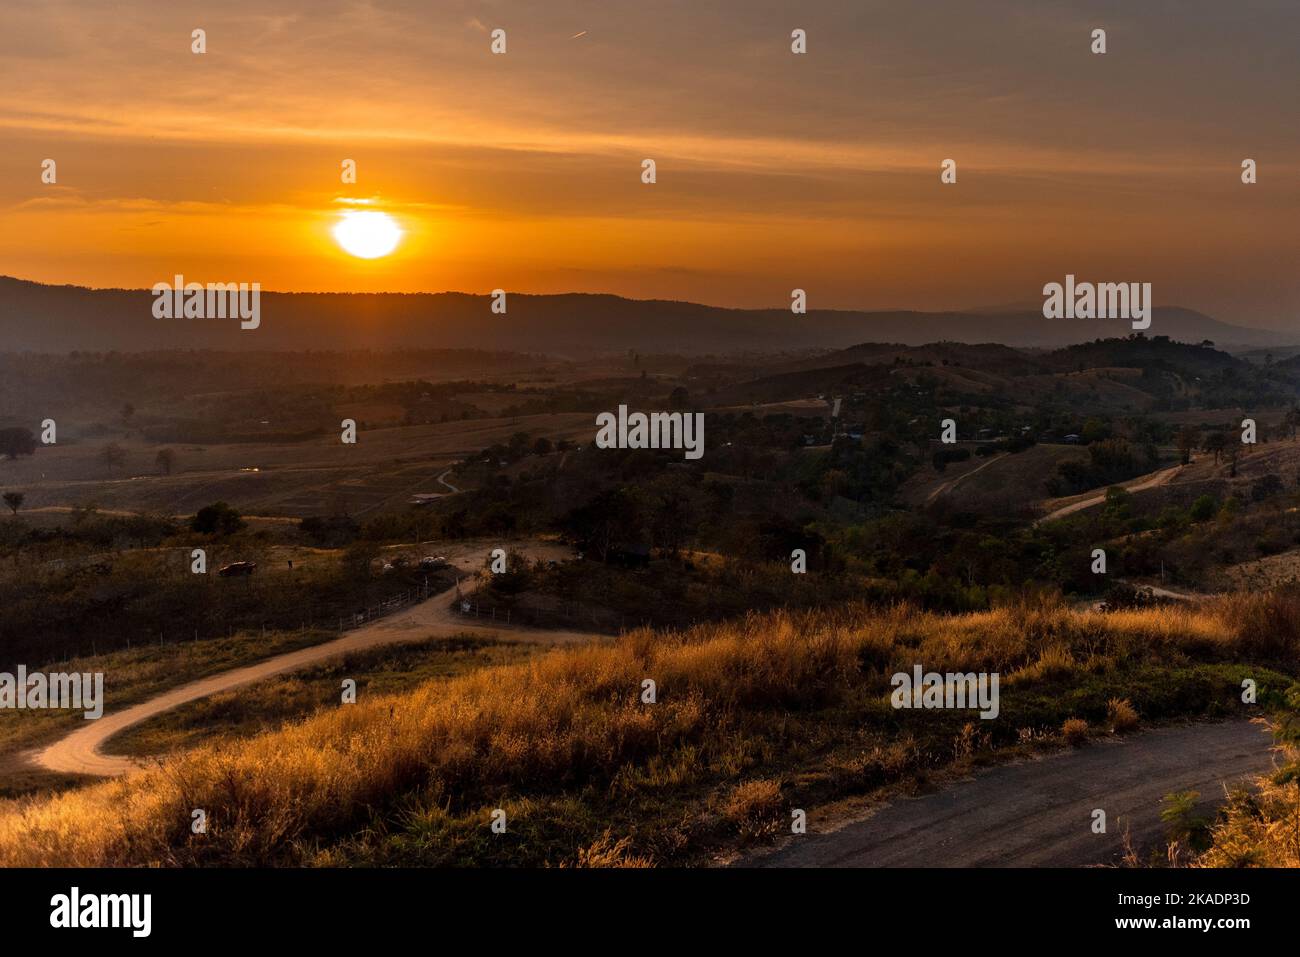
14 500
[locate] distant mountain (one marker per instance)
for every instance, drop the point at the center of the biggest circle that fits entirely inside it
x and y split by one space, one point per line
45 318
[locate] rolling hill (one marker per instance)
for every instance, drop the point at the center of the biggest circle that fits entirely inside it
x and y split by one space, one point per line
46 318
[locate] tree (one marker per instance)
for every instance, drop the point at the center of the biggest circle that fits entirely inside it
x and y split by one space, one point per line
542 446
112 455
165 460
14 500
128 410
17 441
1188 439
216 519
611 522
518 447
1216 442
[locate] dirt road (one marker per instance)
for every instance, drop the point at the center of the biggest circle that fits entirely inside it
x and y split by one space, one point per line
79 752
1140 484
1038 813
952 483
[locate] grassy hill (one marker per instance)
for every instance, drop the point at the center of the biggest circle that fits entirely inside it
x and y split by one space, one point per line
752 718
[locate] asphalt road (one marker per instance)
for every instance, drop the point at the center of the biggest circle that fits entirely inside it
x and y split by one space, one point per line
1038 813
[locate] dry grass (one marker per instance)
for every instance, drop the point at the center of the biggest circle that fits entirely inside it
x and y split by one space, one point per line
572 721
605 851
1260 829
1075 731
1121 716
756 808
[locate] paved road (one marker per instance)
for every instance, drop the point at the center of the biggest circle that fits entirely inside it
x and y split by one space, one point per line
1140 484
1038 813
79 752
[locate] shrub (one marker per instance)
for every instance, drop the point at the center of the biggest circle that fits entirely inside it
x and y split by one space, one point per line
755 808
216 519
1203 508
1121 715
1075 731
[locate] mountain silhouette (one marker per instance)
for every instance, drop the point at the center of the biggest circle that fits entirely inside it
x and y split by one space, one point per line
45 318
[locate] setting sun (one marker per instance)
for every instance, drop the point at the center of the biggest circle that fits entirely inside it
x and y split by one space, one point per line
367 235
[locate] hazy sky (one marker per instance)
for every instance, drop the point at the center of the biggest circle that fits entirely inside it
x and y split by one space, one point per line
775 170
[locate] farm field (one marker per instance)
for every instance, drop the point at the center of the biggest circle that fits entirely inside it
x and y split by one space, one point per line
381 471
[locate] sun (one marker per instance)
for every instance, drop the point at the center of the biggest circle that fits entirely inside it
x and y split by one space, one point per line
367 235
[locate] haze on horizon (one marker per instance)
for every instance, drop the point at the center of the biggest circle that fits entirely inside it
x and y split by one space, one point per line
775 171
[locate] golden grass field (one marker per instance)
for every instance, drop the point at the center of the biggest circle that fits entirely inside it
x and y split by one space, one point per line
748 712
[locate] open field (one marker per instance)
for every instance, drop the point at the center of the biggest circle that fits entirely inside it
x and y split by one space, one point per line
129 676
1004 482
241 713
382 470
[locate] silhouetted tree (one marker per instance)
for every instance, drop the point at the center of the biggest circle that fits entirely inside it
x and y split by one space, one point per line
165 460
112 455
17 441
216 519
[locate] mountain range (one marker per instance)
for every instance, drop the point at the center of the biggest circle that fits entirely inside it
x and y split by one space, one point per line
46 318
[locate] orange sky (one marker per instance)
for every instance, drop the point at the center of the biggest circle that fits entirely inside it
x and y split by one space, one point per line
522 171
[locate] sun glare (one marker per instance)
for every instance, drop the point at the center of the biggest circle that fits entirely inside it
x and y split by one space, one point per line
367 235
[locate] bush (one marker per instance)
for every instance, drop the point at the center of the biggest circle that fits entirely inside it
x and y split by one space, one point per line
755 808
216 519
1075 731
1186 827
1121 716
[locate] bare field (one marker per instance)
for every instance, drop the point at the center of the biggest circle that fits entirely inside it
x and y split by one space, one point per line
383 469
1014 481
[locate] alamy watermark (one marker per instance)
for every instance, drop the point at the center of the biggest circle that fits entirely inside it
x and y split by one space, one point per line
1106 300
77 691
217 300
950 690
75 909
656 430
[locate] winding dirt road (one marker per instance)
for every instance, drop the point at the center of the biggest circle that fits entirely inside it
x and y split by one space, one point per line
1139 484
1038 813
79 752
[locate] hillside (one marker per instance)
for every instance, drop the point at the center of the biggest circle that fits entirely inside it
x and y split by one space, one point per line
67 318
751 718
